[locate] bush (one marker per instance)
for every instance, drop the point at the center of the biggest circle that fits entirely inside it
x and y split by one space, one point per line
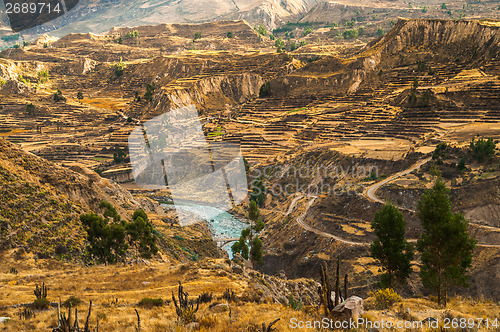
119 68
440 151
150 89
482 149
265 90
41 304
206 297
43 76
294 304
385 298
58 96
150 303
30 108
73 301
351 34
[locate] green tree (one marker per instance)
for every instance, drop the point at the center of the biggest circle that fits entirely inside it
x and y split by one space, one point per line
258 192
380 31
109 211
265 90
58 96
440 151
280 45
106 242
197 36
261 29
150 89
119 68
351 34
230 34
308 31
141 235
43 76
79 95
245 245
30 109
391 248
256 251
482 149
443 6
445 246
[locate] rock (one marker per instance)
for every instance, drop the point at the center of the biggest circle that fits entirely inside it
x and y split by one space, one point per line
192 326
237 269
4 319
219 307
350 308
429 319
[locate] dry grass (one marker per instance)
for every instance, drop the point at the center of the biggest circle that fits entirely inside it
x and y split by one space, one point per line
116 290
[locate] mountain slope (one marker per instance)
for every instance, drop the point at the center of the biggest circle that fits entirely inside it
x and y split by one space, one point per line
41 201
98 16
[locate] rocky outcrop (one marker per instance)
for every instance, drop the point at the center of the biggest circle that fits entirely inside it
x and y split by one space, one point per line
229 90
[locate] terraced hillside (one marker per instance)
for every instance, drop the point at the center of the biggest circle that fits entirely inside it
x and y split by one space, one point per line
386 103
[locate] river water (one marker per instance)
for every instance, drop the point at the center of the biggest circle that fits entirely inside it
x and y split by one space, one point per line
222 224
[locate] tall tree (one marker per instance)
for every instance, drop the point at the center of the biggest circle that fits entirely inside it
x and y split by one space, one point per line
445 245
391 248
247 241
256 251
141 235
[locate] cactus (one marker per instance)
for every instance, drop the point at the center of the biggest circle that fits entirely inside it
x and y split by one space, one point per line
41 292
185 309
325 290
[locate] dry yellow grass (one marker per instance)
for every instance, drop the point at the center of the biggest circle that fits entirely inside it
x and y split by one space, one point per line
103 285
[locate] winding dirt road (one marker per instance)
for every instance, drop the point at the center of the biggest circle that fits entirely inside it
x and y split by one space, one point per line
369 193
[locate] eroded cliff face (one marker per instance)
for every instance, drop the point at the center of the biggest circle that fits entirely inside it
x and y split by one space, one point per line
409 41
469 40
210 92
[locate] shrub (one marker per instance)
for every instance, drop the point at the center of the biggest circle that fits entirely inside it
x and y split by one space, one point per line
294 304
150 303
41 304
30 108
351 34
461 164
482 149
385 298
73 301
206 297
261 29
440 151
230 34
43 76
150 89
58 96
119 68
265 90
